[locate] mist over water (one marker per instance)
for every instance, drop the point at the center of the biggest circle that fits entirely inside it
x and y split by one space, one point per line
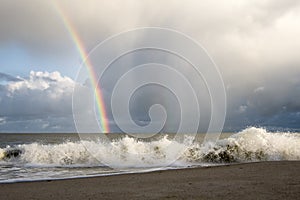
65 155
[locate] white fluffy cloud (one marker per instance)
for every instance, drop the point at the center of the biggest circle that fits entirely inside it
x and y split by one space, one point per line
41 102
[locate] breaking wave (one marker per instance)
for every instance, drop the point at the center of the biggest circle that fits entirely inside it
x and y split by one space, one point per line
251 144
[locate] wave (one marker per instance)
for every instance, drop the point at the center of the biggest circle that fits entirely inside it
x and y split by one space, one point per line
251 144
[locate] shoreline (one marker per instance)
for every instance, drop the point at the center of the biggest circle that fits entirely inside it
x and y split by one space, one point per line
256 180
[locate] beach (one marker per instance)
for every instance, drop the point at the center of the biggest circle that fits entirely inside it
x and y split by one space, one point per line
261 180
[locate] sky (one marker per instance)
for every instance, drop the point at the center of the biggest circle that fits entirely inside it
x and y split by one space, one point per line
255 45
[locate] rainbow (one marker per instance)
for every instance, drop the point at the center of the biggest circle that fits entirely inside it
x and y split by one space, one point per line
92 74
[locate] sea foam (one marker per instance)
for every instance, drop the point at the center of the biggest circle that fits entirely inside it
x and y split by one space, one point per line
251 144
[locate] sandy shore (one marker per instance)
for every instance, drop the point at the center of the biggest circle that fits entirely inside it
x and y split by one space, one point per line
266 180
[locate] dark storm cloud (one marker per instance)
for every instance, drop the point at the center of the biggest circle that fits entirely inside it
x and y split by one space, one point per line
274 102
255 44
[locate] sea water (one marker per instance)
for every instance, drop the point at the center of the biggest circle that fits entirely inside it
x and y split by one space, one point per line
60 156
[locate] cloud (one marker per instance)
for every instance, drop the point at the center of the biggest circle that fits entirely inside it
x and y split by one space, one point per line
38 26
255 44
41 102
259 89
274 104
8 78
2 120
242 109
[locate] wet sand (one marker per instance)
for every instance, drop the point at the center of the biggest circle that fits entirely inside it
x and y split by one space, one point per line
265 180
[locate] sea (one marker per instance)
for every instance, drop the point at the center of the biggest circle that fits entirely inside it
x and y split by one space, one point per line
35 157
